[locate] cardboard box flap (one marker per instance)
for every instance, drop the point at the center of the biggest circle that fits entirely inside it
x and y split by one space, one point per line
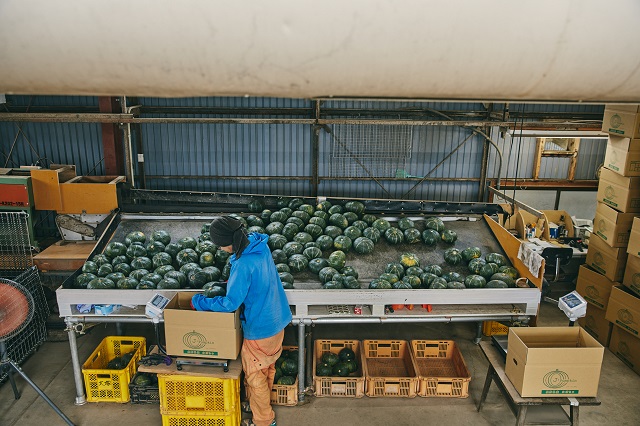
614 215
625 182
623 107
182 302
624 144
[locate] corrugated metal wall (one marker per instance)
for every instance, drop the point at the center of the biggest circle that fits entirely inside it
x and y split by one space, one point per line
225 157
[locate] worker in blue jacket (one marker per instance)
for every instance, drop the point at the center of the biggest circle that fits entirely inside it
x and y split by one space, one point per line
254 285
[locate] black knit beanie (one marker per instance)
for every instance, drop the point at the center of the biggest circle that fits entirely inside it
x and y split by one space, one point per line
229 231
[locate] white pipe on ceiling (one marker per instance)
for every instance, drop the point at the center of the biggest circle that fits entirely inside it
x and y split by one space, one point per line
530 50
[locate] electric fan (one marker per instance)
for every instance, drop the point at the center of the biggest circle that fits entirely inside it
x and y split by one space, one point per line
16 312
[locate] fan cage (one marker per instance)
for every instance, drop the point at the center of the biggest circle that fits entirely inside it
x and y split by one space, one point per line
21 346
15 246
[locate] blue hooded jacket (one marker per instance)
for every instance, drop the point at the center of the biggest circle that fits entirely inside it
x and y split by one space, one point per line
255 282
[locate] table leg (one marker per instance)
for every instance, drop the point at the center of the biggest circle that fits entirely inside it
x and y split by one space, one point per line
301 372
522 414
574 414
487 384
478 337
75 362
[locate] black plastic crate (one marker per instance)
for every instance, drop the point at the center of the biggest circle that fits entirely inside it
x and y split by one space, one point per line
145 394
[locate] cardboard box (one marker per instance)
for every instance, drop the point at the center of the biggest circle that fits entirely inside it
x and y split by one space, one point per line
623 156
622 120
523 218
632 275
558 216
634 238
612 226
620 192
596 324
553 361
624 310
626 347
609 261
200 334
594 287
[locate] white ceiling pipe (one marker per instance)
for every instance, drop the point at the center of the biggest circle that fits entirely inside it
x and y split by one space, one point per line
544 50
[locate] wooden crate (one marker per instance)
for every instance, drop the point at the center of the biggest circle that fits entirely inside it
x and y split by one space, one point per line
442 371
346 387
389 369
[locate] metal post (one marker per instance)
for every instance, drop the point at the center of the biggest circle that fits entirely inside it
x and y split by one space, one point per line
301 373
75 362
478 337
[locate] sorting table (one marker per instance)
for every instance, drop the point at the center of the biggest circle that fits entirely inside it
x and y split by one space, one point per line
552 407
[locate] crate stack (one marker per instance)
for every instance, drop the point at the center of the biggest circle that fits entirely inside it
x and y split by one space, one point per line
199 400
612 257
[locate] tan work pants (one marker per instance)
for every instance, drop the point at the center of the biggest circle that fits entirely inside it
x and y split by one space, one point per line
258 363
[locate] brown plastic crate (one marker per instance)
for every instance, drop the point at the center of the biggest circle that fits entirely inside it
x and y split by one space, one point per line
285 394
442 371
346 387
389 369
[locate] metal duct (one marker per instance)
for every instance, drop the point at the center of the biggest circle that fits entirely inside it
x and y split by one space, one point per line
547 50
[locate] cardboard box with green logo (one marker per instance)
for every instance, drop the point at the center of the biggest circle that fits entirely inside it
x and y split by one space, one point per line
596 324
622 120
553 361
594 287
623 156
609 261
624 310
612 226
626 347
200 334
632 275
634 239
620 192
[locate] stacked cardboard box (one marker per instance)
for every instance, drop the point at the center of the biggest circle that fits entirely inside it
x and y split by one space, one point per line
616 243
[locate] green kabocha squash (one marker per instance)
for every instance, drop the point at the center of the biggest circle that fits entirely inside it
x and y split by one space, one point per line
253 220
324 206
430 237
352 232
434 269
338 219
409 259
172 249
316 265
138 273
475 281
163 236
434 223
395 268
427 278
324 242
337 208
360 224
449 236
333 231
101 284
114 249
369 219
127 283
154 247
452 276
161 259
295 203
105 270
405 223
414 270
292 248
394 236
312 253
314 230
380 284
337 259
452 256
455 285
342 242
123 268
283 267
319 221
355 206
509 270
496 284
187 255
332 285
471 253
412 236
504 278
276 241
168 284
381 225
350 282
279 256
322 215
413 281
372 233
351 217
135 237
255 206
274 228
302 238
90 267
303 216
286 277
438 283
402 285
363 245
101 259
326 274
392 278
475 265
298 263
83 279
496 258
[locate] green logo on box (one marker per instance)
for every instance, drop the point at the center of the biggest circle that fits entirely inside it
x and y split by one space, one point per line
555 379
194 340
615 121
188 352
560 392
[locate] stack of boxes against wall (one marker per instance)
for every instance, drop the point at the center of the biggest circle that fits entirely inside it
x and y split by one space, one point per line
613 258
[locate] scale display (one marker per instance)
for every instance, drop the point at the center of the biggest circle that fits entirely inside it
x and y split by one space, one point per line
573 305
156 305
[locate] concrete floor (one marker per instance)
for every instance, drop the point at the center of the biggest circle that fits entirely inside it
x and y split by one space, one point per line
50 368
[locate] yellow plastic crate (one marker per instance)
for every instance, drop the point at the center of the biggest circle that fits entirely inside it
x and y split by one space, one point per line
442 371
285 394
224 419
103 385
198 396
351 386
490 328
